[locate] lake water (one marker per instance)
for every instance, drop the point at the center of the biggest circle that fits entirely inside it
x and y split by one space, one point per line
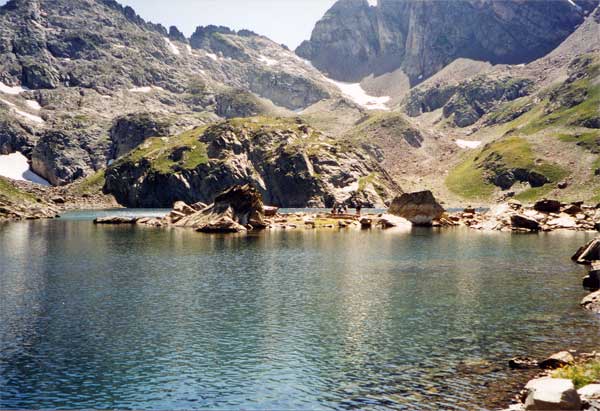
144 318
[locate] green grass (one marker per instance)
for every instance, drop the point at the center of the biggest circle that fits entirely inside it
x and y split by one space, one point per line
580 374
13 194
158 150
588 140
469 180
90 185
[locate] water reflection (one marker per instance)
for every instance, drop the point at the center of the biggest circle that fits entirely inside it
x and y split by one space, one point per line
135 317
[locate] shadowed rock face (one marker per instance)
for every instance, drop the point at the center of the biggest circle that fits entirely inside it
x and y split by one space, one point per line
289 163
355 39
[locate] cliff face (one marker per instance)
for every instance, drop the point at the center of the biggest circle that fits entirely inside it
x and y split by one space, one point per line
355 39
291 164
71 69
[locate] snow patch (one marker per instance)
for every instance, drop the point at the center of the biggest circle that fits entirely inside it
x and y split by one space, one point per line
574 4
351 188
372 3
15 166
267 61
467 144
212 56
34 105
30 117
172 47
8 103
356 93
11 90
145 89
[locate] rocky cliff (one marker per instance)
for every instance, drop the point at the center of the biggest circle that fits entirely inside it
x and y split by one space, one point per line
70 70
291 164
355 39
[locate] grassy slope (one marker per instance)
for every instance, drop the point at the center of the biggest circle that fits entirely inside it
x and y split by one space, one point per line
551 142
13 194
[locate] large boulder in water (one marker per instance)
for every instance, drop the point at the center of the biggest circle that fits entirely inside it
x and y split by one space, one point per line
419 208
233 210
588 253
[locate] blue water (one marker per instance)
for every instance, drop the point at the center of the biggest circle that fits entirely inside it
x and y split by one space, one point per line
145 318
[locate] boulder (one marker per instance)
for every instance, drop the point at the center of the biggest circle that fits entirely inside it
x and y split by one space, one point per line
552 394
420 208
520 221
241 205
573 209
183 208
592 280
558 360
547 206
589 392
591 302
115 220
271 211
58 200
392 221
366 223
588 253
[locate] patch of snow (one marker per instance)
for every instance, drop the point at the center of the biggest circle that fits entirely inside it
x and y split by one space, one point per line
467 144
356 93
8 103
574 4
16 167
30 117
172 47
351 188
212 56
145 89
11 90
34 105
267 61
372 3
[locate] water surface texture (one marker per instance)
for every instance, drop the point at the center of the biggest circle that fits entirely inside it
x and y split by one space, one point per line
144 318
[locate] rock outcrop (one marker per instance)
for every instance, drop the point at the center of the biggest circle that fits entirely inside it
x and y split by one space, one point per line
291 164
419 208
236 209
466 102
17 204
355 39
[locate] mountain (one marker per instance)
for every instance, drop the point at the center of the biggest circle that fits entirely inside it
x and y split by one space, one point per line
356 39
73 71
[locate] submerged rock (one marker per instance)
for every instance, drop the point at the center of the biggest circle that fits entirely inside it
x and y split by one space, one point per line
420 208
522 363
116 220
591 302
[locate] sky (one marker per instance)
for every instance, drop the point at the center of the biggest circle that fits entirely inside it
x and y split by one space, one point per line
284 21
